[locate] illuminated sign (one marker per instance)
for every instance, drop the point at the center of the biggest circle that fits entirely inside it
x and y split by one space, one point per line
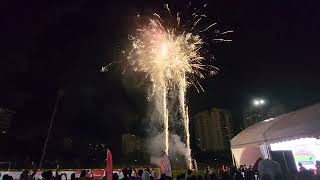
305 150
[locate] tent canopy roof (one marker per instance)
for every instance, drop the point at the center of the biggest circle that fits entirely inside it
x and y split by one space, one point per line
297 124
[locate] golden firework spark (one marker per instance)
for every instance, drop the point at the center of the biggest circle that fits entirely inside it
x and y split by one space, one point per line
158 51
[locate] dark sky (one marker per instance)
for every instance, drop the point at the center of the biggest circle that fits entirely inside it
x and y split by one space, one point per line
52 45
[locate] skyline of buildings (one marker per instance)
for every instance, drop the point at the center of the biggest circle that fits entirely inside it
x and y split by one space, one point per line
6 116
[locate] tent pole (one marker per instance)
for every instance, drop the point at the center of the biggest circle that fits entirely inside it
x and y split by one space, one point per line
269 151
233 160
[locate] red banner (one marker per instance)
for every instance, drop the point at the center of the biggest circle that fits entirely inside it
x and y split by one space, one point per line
165 166
109 165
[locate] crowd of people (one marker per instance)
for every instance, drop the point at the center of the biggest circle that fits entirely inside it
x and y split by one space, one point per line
263 170
47 175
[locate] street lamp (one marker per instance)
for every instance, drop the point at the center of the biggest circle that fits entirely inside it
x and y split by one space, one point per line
259 102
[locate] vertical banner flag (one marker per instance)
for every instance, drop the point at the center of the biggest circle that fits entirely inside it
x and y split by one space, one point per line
109 165
165 166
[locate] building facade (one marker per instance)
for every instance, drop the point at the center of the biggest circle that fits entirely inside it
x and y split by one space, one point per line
133 149
131 143
6 116
213 129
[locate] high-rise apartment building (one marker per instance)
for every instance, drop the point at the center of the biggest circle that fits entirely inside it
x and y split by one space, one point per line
213 129
5 119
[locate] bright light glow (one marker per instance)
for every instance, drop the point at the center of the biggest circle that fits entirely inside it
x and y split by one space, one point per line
256 102
164 50
304 150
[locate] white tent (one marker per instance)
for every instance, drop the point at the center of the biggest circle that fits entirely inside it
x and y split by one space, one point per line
253 142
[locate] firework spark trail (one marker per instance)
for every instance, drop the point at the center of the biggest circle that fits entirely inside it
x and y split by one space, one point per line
165 119
189 158
167 57
185 117
208 27
170 57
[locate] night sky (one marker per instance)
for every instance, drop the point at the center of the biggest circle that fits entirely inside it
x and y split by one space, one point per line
47 46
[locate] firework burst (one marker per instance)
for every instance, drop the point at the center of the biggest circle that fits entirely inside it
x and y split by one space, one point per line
172 58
